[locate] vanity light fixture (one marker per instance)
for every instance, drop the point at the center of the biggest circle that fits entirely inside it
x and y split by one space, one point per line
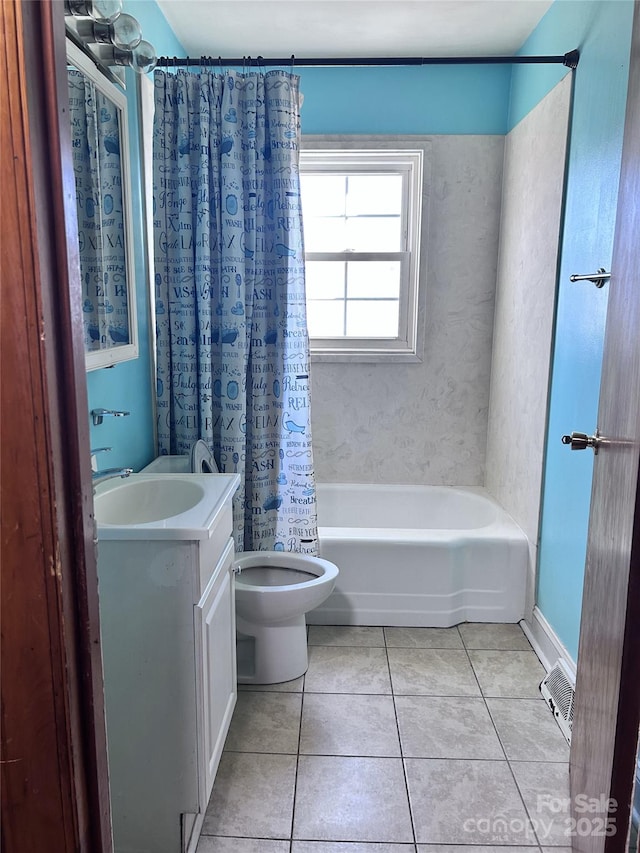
111 37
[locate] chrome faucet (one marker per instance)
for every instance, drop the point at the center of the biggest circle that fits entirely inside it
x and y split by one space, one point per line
99 414
110 473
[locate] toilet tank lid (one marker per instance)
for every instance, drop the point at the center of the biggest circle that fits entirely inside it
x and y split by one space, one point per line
168 465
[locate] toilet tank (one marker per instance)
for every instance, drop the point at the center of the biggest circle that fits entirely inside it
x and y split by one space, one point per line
168 465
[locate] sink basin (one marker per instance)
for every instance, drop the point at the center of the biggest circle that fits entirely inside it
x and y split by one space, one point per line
142 501
162 506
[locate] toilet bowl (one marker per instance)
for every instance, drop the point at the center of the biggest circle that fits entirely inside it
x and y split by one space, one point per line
274 590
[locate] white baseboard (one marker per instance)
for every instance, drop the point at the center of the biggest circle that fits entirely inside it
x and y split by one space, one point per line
545 642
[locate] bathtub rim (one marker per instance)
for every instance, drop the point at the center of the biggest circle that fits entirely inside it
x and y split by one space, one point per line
502 527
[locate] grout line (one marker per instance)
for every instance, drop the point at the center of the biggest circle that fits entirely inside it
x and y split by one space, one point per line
479 695
495 728
404 766
295 780
526 810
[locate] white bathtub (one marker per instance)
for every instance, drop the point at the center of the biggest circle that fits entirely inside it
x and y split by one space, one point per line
427 556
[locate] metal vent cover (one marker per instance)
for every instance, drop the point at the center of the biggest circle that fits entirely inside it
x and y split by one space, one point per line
558 691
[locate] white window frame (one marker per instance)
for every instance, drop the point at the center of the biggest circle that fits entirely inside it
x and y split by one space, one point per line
323 155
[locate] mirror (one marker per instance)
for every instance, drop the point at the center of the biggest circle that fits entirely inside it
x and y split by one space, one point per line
100 153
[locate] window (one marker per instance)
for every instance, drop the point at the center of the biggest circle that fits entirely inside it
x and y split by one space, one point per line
361 217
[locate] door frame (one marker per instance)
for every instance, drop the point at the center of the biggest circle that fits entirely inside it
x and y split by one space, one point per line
607 700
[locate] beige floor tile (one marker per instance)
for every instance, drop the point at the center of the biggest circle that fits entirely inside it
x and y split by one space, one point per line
512 675
345 635
218 844
446 727
493 635
351 799
265 722
466 802
347 670
432 672
545 791
528 730
423 638
252 796
335 724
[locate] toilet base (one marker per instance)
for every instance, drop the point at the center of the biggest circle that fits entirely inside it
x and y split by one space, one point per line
279 651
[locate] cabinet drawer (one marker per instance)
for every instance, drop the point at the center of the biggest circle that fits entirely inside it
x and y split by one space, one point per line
222 566
211 549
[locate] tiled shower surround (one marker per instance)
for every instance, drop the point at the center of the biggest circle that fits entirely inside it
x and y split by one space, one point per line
398 740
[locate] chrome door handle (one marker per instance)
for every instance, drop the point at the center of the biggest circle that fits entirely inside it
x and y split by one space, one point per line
580 441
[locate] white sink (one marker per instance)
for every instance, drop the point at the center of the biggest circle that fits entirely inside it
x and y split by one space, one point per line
140 501
162 506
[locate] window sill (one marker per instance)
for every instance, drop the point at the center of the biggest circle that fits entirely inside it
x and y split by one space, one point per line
365 357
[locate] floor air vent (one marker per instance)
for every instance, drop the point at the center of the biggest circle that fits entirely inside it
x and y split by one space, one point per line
558 691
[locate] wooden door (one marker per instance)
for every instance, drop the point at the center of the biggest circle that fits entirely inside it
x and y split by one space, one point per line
607 711
54 761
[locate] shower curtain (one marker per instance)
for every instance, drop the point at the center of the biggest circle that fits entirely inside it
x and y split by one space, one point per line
232 343
95 146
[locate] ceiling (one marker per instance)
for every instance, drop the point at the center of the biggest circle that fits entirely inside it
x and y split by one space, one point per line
340 28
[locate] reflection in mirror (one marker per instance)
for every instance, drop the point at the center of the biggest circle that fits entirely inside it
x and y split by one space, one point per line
99 152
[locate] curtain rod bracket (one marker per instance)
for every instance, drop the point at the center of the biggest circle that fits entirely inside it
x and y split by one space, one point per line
571 59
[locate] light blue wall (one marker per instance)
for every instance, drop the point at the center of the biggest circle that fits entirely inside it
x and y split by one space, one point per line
453 99
128 386
602 32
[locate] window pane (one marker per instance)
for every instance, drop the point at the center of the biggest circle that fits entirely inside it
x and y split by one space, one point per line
372 319
325 279
325 319
373 279
377 194
322 195
373 234
324 234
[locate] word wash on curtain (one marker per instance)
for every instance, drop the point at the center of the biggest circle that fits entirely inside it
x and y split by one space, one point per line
232 342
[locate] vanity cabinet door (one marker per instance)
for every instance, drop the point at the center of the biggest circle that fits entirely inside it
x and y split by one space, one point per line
215 624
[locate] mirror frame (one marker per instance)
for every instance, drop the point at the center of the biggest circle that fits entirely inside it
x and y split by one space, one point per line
119 352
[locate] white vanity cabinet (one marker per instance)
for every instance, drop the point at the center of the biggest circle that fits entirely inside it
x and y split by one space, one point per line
167 613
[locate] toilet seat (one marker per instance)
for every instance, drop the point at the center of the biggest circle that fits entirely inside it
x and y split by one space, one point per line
202 461
316 569
273 576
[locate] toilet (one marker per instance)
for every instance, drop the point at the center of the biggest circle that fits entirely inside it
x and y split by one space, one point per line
274 590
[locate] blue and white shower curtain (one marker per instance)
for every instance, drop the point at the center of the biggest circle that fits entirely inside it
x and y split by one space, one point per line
95 145
232 343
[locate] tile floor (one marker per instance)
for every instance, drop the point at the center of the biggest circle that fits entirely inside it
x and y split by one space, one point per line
399 740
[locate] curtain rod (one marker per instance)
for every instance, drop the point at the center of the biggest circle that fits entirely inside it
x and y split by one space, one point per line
569 59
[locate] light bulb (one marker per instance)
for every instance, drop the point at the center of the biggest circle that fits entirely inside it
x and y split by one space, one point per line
104 11
143 58
124 33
